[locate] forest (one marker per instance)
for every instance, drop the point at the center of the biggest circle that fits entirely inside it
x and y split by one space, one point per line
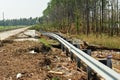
16 22
83 16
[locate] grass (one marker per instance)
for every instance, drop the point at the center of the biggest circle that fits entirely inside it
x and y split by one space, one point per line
3 28
45 42
36 27
104 40
55 78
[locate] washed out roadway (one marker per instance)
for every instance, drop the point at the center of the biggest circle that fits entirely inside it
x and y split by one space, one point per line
6 34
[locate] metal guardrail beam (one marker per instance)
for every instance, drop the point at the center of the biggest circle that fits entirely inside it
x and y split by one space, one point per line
104 71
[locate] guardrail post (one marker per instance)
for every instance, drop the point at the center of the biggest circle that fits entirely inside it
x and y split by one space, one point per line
78 62
67 52
89 70
62 47
88 51
77 45
71 55
77 59
109 61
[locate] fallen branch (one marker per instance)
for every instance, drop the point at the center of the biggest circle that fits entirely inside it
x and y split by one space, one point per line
55 72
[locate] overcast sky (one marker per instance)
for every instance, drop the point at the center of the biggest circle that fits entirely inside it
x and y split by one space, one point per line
22 8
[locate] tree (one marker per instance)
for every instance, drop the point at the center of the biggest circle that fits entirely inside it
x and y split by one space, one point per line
87 16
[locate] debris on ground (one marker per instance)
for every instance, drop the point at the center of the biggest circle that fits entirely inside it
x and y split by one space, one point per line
99 52
104 54
28 35
17 62
32 33
32 52
19 75
32 60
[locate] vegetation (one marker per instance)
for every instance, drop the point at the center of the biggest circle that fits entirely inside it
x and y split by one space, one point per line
105 40
45 42
55 78
22 21
94 20
83 16
4 28
36 27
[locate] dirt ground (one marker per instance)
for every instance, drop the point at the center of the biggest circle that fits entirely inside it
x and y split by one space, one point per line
103 55
45 64
32 60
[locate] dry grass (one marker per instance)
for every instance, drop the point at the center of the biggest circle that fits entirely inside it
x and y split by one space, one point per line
104 40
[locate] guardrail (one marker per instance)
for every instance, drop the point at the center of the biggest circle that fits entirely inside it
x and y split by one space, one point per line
104 71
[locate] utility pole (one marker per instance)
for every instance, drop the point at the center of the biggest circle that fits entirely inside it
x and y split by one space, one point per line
3 19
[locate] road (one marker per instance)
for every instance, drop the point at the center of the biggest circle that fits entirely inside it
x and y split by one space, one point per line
6 34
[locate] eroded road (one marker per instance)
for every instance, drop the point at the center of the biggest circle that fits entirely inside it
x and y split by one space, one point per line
6 34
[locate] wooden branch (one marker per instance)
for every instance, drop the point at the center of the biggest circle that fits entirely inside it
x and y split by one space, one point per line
55 72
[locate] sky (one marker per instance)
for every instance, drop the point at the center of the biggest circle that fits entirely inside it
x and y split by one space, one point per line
22 8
